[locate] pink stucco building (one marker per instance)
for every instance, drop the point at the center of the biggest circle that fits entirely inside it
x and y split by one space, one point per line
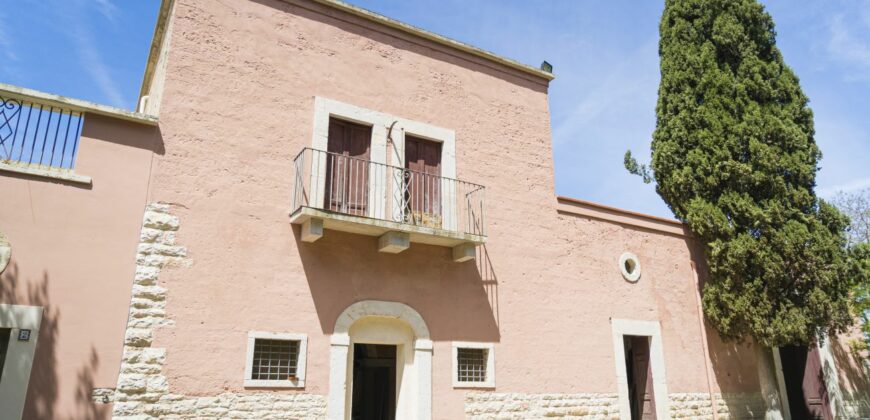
319 212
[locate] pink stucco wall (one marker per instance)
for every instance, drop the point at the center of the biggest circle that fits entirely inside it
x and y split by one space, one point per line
852 373
73 250
237 107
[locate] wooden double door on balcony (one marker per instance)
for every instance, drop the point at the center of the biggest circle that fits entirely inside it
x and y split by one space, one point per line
347 167
348 172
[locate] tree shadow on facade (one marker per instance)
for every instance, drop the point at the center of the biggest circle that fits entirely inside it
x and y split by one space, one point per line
735 371
458 301
85 405
853 376
733 363
43 389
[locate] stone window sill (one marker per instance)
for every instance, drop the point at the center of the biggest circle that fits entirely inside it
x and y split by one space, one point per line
61 174
294 383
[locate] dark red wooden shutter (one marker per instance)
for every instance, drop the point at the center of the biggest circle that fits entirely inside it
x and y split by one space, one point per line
423 181
347 167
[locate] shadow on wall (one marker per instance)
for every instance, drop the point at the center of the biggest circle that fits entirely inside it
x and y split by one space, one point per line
488 280
42 392
293 43
734 365
854 377
736 373
124 133
458 301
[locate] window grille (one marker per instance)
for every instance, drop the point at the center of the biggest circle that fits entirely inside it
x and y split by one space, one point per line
275 360
471 364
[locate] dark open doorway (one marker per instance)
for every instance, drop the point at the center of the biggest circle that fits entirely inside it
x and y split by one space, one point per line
805 383
640 381
374 382
5 334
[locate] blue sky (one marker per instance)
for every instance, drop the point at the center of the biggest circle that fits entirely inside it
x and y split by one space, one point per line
604 55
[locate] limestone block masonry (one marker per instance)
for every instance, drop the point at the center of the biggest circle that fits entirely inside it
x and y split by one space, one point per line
503 406
490 405
728 406
142 391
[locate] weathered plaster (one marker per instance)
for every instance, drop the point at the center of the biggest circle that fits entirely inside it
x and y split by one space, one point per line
143 390
544 279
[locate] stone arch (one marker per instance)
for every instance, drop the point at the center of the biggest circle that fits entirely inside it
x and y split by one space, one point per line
383 309
421 403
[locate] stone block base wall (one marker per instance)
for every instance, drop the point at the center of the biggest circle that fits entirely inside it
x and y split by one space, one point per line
490 405
856 408
143 391
728 406
503 406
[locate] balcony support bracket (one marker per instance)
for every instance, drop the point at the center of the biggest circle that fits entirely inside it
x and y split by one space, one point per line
464 252
312 230
394 242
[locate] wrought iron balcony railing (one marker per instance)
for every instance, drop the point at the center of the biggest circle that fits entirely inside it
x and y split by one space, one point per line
38 135
388 196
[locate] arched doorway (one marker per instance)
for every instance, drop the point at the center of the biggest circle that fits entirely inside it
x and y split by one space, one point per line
385 334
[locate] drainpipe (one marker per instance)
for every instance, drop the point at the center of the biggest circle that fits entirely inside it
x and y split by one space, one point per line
704 346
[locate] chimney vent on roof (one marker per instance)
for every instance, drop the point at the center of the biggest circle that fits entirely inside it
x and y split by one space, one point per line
547 67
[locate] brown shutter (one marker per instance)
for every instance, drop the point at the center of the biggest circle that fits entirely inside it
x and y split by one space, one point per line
423 181
347 167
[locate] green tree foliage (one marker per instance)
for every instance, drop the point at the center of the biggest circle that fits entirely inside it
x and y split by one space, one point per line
734 157
861 289
856 205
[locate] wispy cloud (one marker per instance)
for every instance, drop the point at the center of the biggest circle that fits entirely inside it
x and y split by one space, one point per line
855 185
78 23
848 48
6 46
91 60
620 90
108 10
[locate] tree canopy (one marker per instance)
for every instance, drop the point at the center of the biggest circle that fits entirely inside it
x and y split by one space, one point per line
856 205
734 156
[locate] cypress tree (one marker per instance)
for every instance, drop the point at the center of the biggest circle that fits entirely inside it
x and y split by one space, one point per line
734 157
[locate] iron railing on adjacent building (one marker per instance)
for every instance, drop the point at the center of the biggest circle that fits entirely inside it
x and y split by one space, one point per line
358 187
40 135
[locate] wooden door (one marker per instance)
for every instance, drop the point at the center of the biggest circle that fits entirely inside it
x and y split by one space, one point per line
423 182
347 167
640 380
805 383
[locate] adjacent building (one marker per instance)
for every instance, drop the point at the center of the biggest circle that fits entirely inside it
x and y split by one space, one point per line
319 212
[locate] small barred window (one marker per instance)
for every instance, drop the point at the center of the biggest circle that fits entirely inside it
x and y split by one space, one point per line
471 364
275 360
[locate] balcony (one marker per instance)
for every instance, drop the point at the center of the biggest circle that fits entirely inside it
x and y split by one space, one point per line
40 132
398 205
